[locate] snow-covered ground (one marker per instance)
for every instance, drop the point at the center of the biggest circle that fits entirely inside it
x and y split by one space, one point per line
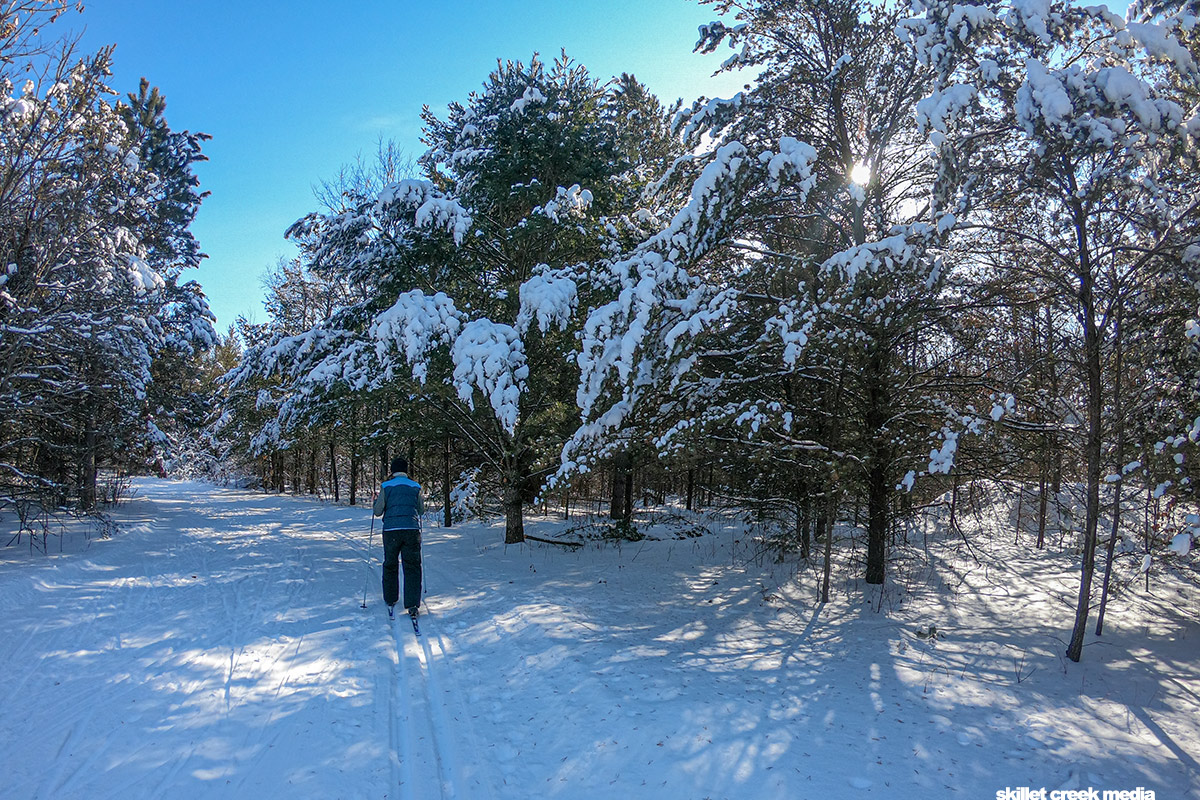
216 647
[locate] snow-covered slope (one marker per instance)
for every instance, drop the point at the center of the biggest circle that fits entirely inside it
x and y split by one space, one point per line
216 648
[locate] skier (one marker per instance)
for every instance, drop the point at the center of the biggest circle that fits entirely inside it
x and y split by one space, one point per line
399 503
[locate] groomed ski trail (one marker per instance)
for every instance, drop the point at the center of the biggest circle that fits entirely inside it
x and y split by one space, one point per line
422 739
427 749
215 647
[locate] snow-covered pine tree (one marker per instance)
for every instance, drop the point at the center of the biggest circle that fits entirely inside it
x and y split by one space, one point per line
178 402
467 327
788 311
531 177
83 313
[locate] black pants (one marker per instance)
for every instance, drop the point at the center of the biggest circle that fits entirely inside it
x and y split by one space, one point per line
402 546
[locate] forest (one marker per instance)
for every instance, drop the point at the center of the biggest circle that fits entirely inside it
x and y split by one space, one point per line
924 250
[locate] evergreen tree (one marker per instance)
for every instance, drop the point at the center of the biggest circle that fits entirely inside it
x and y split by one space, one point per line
790 307
468 321
79 212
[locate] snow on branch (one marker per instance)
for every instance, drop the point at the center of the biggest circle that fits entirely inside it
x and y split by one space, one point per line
143 277
795 160
1033 17
433 209
573 202
942 457
531 95
900 249
490 357
642 336
417 323
550 297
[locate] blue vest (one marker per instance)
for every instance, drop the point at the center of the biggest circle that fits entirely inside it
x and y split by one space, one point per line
402 504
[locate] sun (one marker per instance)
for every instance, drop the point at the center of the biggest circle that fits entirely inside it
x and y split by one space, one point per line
860 175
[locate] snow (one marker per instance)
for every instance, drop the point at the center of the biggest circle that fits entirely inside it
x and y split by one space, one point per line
942 459
416 322
1042 97
567 203
1160 43
795 158
143 276
490 357
940 109
531 95
1005 404
549 298
215 647
432 208
1031 15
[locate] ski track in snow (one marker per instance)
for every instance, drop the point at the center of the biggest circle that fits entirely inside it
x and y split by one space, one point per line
216 648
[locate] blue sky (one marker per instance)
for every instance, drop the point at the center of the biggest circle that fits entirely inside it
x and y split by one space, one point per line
290 91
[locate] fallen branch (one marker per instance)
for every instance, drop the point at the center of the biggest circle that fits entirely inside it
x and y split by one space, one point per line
532 538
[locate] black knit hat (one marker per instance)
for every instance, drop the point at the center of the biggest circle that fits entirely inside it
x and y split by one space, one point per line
399 464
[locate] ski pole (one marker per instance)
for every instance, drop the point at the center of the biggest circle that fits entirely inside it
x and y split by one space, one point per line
421 550
367 561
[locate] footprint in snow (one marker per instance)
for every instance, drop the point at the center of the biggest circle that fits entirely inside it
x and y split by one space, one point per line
859 782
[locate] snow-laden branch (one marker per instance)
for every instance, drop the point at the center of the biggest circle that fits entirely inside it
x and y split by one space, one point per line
432 208
490 357
549 297
415 324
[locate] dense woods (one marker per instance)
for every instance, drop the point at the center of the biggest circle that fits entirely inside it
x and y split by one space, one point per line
99 330
923 249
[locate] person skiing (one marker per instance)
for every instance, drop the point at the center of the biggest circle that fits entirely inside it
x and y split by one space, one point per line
400 504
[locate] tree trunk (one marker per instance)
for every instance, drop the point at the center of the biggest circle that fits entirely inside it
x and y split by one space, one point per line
514 479
1020 507
312 469
1095 396
878 487
1119 435
447 519
629 495
877 524
333 471
514 519
691 487
87 468
354 456
828 517
1041 537
803 512
620 495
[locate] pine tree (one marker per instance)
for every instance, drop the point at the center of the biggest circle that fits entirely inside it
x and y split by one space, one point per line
79 215
790 307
